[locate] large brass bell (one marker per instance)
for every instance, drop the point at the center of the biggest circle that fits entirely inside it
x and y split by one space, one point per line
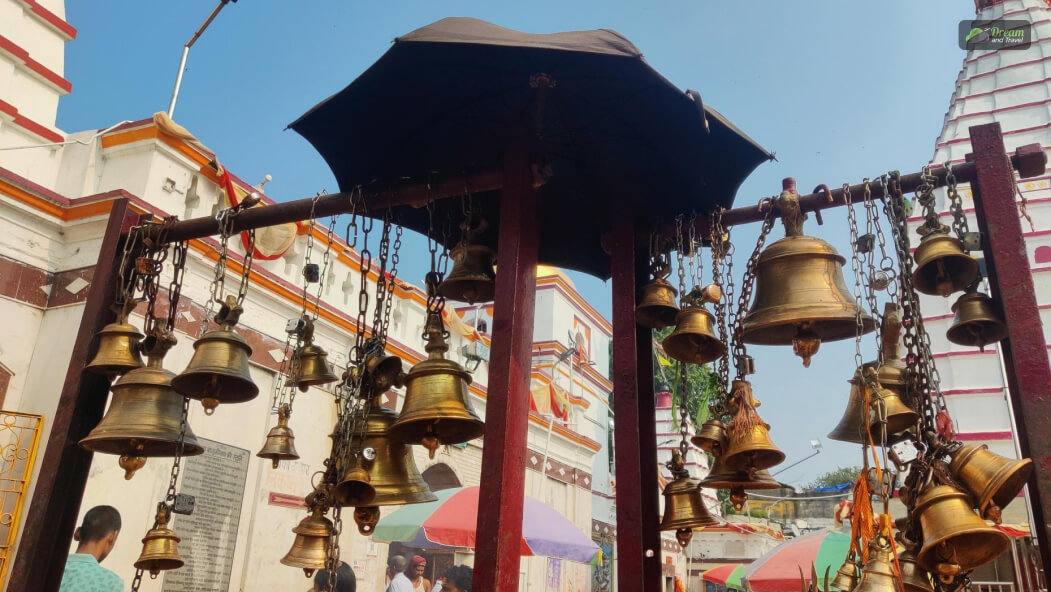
218 372
942 267
472 278
913 577
720 477
694 339
878 574
684 508
977 322
118 351
801 298
750 447
711 436
280 442
886 407
657 306
310 362
993 480
160 550
846 576
955 539
355 488
392 469
310 548
437 408
144 418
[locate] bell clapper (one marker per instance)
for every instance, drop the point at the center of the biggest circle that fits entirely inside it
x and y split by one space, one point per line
366 517
683 535
805 343
130 464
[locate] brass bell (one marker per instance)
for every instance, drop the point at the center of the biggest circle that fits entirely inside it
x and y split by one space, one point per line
694 339
118 351
913 577
355 488
437 408
657 306
280 442
993 480
942 267
977 322
367 517
801 298
472 278
684 508
720 477
383 372
750 447
955 539
711 436
160 550
218 372
886 407
878 574
144 418
310 368
310 548
392 469
846 576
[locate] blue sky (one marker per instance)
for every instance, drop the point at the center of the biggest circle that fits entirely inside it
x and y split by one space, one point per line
838 90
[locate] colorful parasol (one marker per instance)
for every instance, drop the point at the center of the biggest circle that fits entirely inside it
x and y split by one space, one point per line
728 575
450 522
778 570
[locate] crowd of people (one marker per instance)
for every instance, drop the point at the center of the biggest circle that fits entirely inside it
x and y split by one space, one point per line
407 576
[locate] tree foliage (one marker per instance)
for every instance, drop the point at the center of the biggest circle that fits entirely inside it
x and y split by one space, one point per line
701 382
836 477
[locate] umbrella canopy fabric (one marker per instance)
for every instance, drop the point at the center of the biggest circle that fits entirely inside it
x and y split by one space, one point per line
450 522
778 570
607 133
728 575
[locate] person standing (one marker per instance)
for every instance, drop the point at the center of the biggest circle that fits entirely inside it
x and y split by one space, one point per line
415 573
95 536
345 579
458 579
399 582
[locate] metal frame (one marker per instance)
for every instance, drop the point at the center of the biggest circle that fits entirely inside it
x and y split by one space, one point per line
63 475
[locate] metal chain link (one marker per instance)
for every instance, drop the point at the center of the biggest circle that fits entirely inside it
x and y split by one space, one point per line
747 285
721 252
855 265
680 248
684 428
959 219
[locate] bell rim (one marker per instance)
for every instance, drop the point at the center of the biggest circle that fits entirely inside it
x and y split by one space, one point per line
750 331
425 496
243 389
732 479
191 447
415 429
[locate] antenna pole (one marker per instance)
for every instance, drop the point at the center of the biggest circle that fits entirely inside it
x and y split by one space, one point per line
186 52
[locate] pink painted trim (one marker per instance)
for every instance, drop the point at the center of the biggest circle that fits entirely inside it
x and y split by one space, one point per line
28 124
956 354
56 22
975 436
973 391
995 70
1001 89
1000 110
940 317
17 52
1006 133
971 210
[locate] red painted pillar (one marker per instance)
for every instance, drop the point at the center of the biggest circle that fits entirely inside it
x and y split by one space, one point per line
499 531
634 424
52 515
1011 283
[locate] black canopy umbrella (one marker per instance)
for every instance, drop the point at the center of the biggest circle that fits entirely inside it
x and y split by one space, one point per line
610 130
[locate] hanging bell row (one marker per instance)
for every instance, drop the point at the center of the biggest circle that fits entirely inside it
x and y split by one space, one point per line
694 339
801 298
144 418
160 546
218 372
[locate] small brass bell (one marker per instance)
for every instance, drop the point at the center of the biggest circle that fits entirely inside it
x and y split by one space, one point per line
801 298
657 306
367 517
472 278
955 539
160 550
913 577
879 574
355 488
383 372
993 480
977 322
711 437
280 442
719 477
392 469
118 350
684 508
310 548
750 447
437 408
218 372
846 576
942 267
145 417
694 339
310 365
886 408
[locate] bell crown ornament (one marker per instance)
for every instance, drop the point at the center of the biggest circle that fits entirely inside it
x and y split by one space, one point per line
955 539
280 441
218 371
684 508
160 550
977 321
993 480
801 298
657 307
145 418
694 339
942 267
437 408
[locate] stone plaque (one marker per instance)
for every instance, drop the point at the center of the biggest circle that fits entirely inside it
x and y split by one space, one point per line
209 536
